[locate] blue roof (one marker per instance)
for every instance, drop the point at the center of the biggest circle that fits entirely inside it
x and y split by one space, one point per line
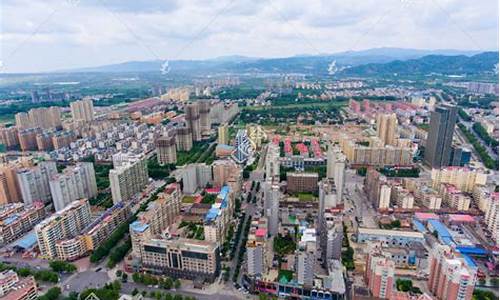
443 233
212 214
419 226
469 260
138 226
11 219
27 242
472 250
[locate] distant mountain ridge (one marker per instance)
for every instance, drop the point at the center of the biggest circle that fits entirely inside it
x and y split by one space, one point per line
352 63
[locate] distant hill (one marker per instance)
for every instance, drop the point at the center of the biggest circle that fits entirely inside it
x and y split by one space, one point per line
365 62
441 64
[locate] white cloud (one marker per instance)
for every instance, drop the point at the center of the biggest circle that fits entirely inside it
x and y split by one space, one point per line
41 35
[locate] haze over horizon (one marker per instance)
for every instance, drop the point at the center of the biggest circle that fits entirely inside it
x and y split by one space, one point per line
39 36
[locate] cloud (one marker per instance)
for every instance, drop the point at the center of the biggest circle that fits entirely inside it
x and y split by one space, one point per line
41 35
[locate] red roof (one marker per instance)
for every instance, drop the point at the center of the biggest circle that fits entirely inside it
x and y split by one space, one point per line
261 232
461 218
214 190
426 216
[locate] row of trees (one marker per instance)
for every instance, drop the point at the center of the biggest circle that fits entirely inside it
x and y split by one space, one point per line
483 134
242 250
163 282
488 161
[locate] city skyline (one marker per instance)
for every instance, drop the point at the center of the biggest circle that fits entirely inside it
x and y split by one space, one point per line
172 30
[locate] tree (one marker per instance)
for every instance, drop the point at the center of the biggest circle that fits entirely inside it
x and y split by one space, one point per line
52 294
135 292
177 283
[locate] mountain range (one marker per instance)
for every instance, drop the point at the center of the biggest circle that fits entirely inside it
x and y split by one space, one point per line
371 62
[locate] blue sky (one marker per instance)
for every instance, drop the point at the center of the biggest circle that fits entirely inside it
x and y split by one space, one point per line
45 35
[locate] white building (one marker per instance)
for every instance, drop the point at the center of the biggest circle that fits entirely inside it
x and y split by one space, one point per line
34 182
306 257
128 177
73 183
335 169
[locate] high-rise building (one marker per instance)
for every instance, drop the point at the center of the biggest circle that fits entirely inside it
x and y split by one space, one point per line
44 141
34 182
196 176
192 117
64 224
128 177
331 234
462 177
327 196
166 150
27 139
9 185
306 257
17 219
9 137
386 128
22 120
491 217
75 182
379 272
63 139
272 163
205 120
82 110
45 118
442 126
272 195
223 137
183 139
243 148
335 169
451 275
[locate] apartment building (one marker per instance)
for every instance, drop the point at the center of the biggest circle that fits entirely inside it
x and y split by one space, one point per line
94 234
82 110
183 139
64 224
451 275
9 137
34 182
166 152
462 177
14 288
223 134
379 272
16 219
75 182
128 177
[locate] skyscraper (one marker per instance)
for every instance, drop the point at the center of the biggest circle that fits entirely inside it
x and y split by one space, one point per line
82 110
386 128
335 169
442 126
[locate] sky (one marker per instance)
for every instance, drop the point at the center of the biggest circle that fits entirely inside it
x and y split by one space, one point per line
48 35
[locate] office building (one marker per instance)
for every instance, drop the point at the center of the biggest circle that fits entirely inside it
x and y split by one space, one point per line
166 150
128 177
184 258
386 128
463 178
300 182
272 196
335 169
460 156
62 225
183 139
451 275
192 117
75 182
379 272
223 134
442 126
34 182
82 110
